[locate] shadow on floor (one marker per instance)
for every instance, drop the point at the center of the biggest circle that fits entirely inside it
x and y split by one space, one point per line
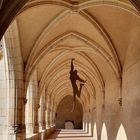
70 134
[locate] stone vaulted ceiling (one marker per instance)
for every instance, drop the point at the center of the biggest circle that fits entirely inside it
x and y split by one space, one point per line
95 33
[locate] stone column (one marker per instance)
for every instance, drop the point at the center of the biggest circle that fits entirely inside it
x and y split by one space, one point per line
42 110
84 121
40 117
51 117
43 117
15 84
48 118
48 112
90 127
42 121
16 106
35 121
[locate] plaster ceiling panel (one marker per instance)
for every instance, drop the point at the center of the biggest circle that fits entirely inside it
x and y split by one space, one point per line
76 23
31 23
118 23
104 67
126 1
45 62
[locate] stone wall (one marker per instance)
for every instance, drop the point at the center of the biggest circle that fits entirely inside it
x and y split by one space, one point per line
64 113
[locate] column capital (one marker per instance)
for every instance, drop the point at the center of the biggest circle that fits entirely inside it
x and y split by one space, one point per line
120 101
1 51
25 100
14 129
37 106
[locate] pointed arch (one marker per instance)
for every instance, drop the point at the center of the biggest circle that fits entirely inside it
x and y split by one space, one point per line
95 132
121 134
104 133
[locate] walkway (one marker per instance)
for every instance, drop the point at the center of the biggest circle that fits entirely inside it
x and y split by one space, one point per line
66 134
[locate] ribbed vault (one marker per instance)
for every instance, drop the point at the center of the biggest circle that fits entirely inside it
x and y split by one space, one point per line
80 30
97 34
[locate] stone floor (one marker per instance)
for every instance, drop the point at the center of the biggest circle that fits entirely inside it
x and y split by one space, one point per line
67 134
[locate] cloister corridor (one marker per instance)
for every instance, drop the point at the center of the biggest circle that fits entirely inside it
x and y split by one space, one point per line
69 69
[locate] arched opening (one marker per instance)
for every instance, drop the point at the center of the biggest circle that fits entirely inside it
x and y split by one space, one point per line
64 114
95 132
104 133
121 134
13 84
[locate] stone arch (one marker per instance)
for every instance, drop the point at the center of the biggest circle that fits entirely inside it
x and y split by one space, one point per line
15 77
83 5
9 11
91 20
98 50
18 5
76 117
15 88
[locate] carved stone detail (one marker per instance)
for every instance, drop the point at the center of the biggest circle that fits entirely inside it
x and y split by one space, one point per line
1 51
